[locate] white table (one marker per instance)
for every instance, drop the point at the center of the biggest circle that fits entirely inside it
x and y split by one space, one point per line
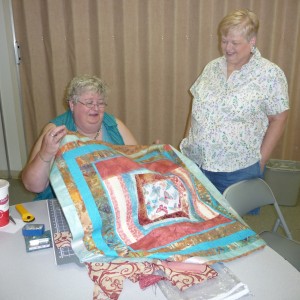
36 276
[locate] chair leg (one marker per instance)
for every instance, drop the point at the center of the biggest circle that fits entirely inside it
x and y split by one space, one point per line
276 225
282 222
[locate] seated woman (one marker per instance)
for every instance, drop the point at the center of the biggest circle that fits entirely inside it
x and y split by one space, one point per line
86 97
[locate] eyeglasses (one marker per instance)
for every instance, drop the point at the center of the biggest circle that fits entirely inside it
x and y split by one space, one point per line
91 104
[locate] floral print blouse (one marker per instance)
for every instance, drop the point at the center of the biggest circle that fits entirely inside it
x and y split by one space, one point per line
230 116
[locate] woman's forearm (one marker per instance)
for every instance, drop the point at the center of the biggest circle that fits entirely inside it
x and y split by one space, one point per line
35 175
272 136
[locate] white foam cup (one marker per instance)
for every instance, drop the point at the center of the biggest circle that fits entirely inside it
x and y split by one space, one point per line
4 202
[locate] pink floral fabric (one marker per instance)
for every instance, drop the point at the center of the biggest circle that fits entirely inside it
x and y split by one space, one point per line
109 277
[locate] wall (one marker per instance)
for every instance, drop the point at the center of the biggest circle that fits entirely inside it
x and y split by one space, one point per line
10 97
149 53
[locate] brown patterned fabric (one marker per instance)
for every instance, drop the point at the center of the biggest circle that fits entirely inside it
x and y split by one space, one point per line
109 277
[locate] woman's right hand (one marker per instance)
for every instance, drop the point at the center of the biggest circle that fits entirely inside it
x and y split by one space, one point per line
35 175
51 141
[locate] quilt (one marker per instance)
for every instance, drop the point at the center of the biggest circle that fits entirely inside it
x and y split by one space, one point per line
144 203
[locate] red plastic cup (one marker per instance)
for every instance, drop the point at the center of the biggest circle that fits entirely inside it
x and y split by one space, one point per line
4 202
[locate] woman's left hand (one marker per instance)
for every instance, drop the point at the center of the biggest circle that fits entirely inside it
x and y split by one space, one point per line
156 142
262 166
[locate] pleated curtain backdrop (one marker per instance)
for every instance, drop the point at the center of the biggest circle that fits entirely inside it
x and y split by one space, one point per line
149 52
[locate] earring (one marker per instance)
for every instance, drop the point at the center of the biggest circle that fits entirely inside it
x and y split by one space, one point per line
253 49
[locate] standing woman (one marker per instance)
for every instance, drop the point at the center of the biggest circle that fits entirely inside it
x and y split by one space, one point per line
86 96
240 107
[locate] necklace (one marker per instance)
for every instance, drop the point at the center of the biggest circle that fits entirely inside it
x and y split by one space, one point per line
98 132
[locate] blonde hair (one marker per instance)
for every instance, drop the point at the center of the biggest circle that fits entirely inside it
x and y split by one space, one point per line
85 83
242 20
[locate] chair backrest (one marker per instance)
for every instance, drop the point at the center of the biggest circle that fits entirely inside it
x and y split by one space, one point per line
247 195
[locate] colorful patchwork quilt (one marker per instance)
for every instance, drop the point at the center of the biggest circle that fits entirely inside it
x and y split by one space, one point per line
142 203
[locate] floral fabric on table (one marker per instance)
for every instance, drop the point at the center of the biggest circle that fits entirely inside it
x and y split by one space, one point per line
109 277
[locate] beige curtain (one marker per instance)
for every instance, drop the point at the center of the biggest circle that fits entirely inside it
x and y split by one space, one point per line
149 52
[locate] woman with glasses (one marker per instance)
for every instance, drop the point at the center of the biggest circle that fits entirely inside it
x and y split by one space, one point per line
86 97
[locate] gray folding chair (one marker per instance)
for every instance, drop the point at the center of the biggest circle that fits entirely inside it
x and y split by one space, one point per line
247 195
